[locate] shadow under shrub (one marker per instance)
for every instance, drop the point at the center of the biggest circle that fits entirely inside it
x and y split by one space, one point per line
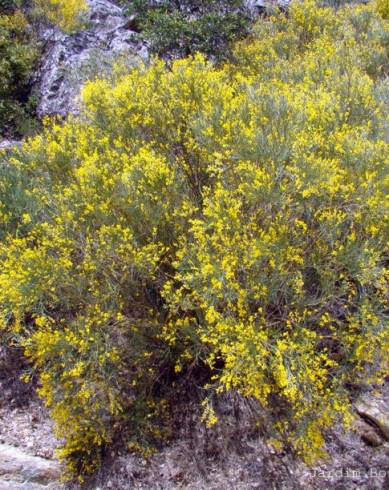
232 218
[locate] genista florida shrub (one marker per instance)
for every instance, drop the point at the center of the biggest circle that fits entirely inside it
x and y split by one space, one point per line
232 217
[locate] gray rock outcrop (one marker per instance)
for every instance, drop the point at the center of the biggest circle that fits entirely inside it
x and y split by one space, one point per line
260 6
19 470
69 60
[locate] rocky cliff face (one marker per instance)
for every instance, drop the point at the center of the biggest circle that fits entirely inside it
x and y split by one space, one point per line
69 59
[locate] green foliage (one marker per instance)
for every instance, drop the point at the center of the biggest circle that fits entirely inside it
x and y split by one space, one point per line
7 5
232 217
18 209
18 54
185 27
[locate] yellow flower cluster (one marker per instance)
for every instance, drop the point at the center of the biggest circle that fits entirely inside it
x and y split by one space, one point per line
67 356
382 7
232 216
67 14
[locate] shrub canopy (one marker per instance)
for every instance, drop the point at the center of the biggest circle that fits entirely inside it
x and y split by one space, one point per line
232 217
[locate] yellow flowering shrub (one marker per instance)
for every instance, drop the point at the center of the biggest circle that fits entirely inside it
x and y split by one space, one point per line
233 217
66 14
382 7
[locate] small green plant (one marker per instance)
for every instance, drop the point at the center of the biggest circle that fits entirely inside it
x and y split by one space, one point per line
185 27
8 5
19 51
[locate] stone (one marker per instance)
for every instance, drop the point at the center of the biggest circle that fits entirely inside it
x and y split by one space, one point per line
368 434
21 470
260 6
376 411
69 60
9 144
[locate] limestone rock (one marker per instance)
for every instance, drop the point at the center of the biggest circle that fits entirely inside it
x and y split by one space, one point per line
262 5
69 60
9 144
21 470
368 433
376 411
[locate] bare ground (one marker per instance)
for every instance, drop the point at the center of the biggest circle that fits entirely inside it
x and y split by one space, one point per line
231 456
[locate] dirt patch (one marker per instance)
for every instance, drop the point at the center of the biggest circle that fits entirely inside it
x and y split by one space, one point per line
24 422
233 455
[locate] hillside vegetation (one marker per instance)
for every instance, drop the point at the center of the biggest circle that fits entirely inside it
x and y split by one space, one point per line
20 51
18 54
184 27
218 227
